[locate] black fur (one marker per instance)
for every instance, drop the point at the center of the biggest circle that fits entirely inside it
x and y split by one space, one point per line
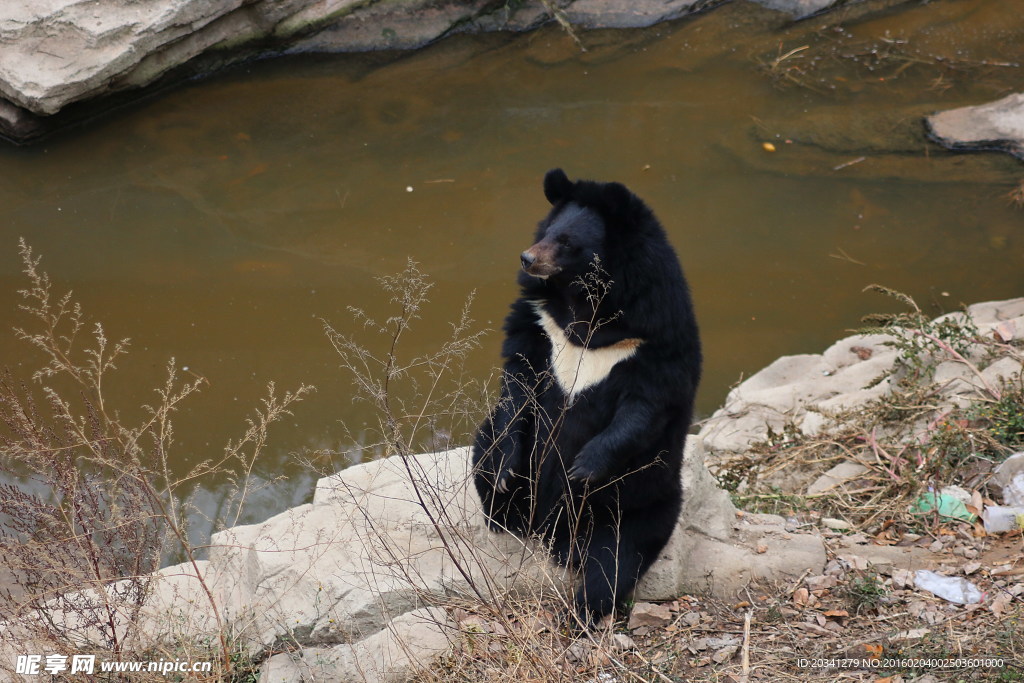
597 477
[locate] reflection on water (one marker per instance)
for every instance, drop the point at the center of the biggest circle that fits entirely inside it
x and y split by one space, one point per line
221 222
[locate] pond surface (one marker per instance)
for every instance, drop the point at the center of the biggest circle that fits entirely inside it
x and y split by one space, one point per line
221 222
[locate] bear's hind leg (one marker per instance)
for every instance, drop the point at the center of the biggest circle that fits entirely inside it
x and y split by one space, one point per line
613 561
611 567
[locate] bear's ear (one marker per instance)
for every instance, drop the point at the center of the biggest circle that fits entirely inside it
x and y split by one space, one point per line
557 185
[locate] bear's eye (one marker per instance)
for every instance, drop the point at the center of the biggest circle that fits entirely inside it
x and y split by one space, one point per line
563 240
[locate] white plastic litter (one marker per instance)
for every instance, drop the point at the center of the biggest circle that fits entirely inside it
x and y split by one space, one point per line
953 588
1000 518
1013 493
961 494
1010 475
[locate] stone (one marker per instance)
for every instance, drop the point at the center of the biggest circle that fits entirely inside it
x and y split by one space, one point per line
650 615
695 563
996 125
54 53
798 9
991 312
711 552
725 654
814 423
955 378
835 524
820 583
884 558
1002 371
377 540
395 654
840 474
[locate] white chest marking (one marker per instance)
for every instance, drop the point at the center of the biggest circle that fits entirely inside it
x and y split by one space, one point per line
576 367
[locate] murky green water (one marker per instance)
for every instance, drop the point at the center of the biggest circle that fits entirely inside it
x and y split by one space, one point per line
218 223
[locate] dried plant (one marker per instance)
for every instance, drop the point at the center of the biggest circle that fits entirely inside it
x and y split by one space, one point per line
90 505
501 634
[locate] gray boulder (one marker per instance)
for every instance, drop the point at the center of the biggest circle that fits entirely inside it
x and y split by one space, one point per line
55 53
996 125
400 536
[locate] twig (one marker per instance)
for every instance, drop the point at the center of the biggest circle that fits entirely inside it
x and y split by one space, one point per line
992 391
843 256
848 163
745 676
563 21
879 451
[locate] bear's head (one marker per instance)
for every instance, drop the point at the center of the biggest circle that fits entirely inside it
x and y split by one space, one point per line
578 228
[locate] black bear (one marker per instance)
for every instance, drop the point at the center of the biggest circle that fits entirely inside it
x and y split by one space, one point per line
602 361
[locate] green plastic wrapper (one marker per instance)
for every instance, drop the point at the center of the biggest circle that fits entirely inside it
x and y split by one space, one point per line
948 506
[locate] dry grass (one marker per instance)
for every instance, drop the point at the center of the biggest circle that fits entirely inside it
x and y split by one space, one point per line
91 506
855 610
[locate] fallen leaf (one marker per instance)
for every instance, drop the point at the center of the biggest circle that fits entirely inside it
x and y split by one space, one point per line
999 604
725 654
837 613
814 629
874 649
801 596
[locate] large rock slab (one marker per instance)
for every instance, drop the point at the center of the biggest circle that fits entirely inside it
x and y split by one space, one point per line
383 538
53 52
815 393
800 9
997 125
393 655
379 540
56 53
806 391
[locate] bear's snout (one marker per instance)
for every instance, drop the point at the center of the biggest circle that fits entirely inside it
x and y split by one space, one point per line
539 260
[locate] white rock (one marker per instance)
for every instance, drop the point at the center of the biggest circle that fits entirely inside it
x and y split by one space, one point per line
841 473
990 312
395 654
798 9
954 378
998 124
1002 371
836 524
366 550
56 52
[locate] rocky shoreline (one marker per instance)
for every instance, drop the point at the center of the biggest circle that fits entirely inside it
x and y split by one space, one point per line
64 61
357 584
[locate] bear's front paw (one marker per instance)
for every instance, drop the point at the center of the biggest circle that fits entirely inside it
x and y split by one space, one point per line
502 481
588 468
508 468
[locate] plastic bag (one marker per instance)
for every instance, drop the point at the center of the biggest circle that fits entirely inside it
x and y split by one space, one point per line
953 588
